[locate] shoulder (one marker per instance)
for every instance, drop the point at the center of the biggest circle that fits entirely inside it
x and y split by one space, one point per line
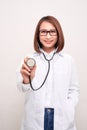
67 57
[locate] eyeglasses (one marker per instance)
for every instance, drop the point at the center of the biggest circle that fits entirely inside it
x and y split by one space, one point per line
44 32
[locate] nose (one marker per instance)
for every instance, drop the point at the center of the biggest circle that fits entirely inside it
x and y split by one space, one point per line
48 35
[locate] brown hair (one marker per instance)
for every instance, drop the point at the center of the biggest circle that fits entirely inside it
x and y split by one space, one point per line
54 21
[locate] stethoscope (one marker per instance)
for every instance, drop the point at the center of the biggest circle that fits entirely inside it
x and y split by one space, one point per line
31 62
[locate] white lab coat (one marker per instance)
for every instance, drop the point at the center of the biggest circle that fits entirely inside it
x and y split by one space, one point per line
60 92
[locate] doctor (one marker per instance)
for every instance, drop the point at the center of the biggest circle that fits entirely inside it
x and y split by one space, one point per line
51 105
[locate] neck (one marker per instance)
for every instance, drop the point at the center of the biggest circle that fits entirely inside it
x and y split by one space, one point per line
48 50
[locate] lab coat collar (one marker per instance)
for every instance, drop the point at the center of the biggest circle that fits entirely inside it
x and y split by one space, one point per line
49 55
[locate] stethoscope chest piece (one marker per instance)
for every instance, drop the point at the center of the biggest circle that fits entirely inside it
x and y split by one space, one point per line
31 62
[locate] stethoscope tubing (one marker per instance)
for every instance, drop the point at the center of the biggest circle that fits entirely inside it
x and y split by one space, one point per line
48 60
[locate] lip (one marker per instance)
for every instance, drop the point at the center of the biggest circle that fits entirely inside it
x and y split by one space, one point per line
49 41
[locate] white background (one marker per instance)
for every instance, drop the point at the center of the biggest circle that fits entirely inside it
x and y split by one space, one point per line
18 19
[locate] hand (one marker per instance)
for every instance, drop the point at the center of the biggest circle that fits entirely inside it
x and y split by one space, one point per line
26 71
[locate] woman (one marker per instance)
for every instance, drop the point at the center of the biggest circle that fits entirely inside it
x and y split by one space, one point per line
51 86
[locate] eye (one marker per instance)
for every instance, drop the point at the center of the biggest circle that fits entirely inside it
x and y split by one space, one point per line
43 31
53 31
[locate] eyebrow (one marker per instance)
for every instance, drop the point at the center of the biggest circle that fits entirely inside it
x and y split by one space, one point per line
48 30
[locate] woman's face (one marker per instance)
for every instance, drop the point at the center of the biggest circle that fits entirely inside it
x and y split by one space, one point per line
48 36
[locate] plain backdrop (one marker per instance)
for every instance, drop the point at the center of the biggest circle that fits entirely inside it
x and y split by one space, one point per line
18 19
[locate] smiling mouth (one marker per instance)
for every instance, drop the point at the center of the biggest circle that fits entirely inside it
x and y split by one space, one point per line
49 41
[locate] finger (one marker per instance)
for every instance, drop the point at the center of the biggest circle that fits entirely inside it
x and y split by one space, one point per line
34 68
26 59
24 71
24 66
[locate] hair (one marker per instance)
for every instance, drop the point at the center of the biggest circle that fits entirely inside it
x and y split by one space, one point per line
60 42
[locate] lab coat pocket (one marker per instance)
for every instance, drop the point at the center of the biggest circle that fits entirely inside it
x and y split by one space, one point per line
68 110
